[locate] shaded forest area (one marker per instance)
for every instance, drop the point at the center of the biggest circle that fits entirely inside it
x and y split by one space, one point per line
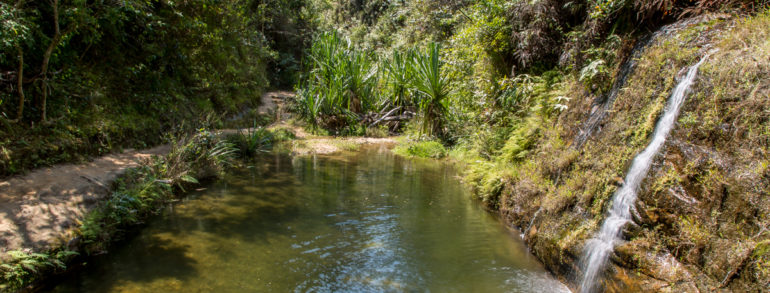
81 77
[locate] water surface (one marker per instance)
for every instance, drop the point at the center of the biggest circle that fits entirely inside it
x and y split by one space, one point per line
368 221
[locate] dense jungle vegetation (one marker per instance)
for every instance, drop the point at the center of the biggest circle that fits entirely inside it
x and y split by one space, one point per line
82 78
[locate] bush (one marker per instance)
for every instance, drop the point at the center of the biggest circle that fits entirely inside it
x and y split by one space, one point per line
252 141
143 190
282 134
377 131
21 268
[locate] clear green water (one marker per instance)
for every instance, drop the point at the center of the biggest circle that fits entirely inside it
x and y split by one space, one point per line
359 222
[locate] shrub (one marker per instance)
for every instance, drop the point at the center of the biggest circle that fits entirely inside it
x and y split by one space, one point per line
252 141
21 268
433 87
377 131
340 83
143 190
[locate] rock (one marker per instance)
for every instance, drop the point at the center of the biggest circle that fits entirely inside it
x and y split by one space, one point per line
532 232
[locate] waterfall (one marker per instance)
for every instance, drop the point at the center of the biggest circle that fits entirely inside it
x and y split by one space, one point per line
598 248
603 104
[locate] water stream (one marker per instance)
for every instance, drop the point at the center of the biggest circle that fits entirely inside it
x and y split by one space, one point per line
603 104
368 221
597 249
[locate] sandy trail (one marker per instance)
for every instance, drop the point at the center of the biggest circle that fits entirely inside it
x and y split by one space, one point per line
38 209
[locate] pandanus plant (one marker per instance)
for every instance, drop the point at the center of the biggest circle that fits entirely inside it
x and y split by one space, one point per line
362 82
341 81
433 88
400 73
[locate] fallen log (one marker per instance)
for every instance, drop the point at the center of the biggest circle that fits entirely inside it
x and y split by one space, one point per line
385 116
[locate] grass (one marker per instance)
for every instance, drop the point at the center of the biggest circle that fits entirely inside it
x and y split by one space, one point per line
421 148
143 190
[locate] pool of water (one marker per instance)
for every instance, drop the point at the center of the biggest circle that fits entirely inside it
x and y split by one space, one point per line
367 221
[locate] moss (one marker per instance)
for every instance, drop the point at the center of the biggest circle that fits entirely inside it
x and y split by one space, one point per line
715 160
761 260
347 145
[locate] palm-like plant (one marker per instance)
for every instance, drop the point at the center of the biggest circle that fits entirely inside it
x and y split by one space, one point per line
361 82
400 73
252 141
341 82
433 88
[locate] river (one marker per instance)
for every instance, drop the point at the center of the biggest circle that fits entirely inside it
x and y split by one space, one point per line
366 221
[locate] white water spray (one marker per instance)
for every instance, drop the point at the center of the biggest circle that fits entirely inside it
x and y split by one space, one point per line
598 248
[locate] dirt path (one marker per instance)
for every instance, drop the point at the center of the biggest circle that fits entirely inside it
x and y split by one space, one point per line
272 103
38 209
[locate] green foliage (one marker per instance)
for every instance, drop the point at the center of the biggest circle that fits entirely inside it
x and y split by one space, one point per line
340 83
20 268
138 194
522 140
253 141
143 190
199 155
421 148
399 76
13 30
596 74
121 74
433 87
282 134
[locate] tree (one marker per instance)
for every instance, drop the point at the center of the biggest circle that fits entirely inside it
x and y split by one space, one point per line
54 43
13 32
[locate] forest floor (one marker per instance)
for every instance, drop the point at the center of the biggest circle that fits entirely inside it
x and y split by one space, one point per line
41 209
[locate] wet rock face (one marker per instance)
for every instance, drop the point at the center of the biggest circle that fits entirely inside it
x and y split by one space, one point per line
701 222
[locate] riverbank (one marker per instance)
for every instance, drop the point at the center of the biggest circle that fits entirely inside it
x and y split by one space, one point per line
40 208
700 221
71 208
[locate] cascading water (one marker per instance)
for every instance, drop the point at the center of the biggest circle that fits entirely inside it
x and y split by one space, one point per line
603 104
598 248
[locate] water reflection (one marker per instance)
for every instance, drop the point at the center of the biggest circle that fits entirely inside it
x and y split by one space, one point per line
363 222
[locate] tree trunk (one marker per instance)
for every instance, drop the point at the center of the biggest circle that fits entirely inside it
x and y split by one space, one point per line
47 57
20 73
20 84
